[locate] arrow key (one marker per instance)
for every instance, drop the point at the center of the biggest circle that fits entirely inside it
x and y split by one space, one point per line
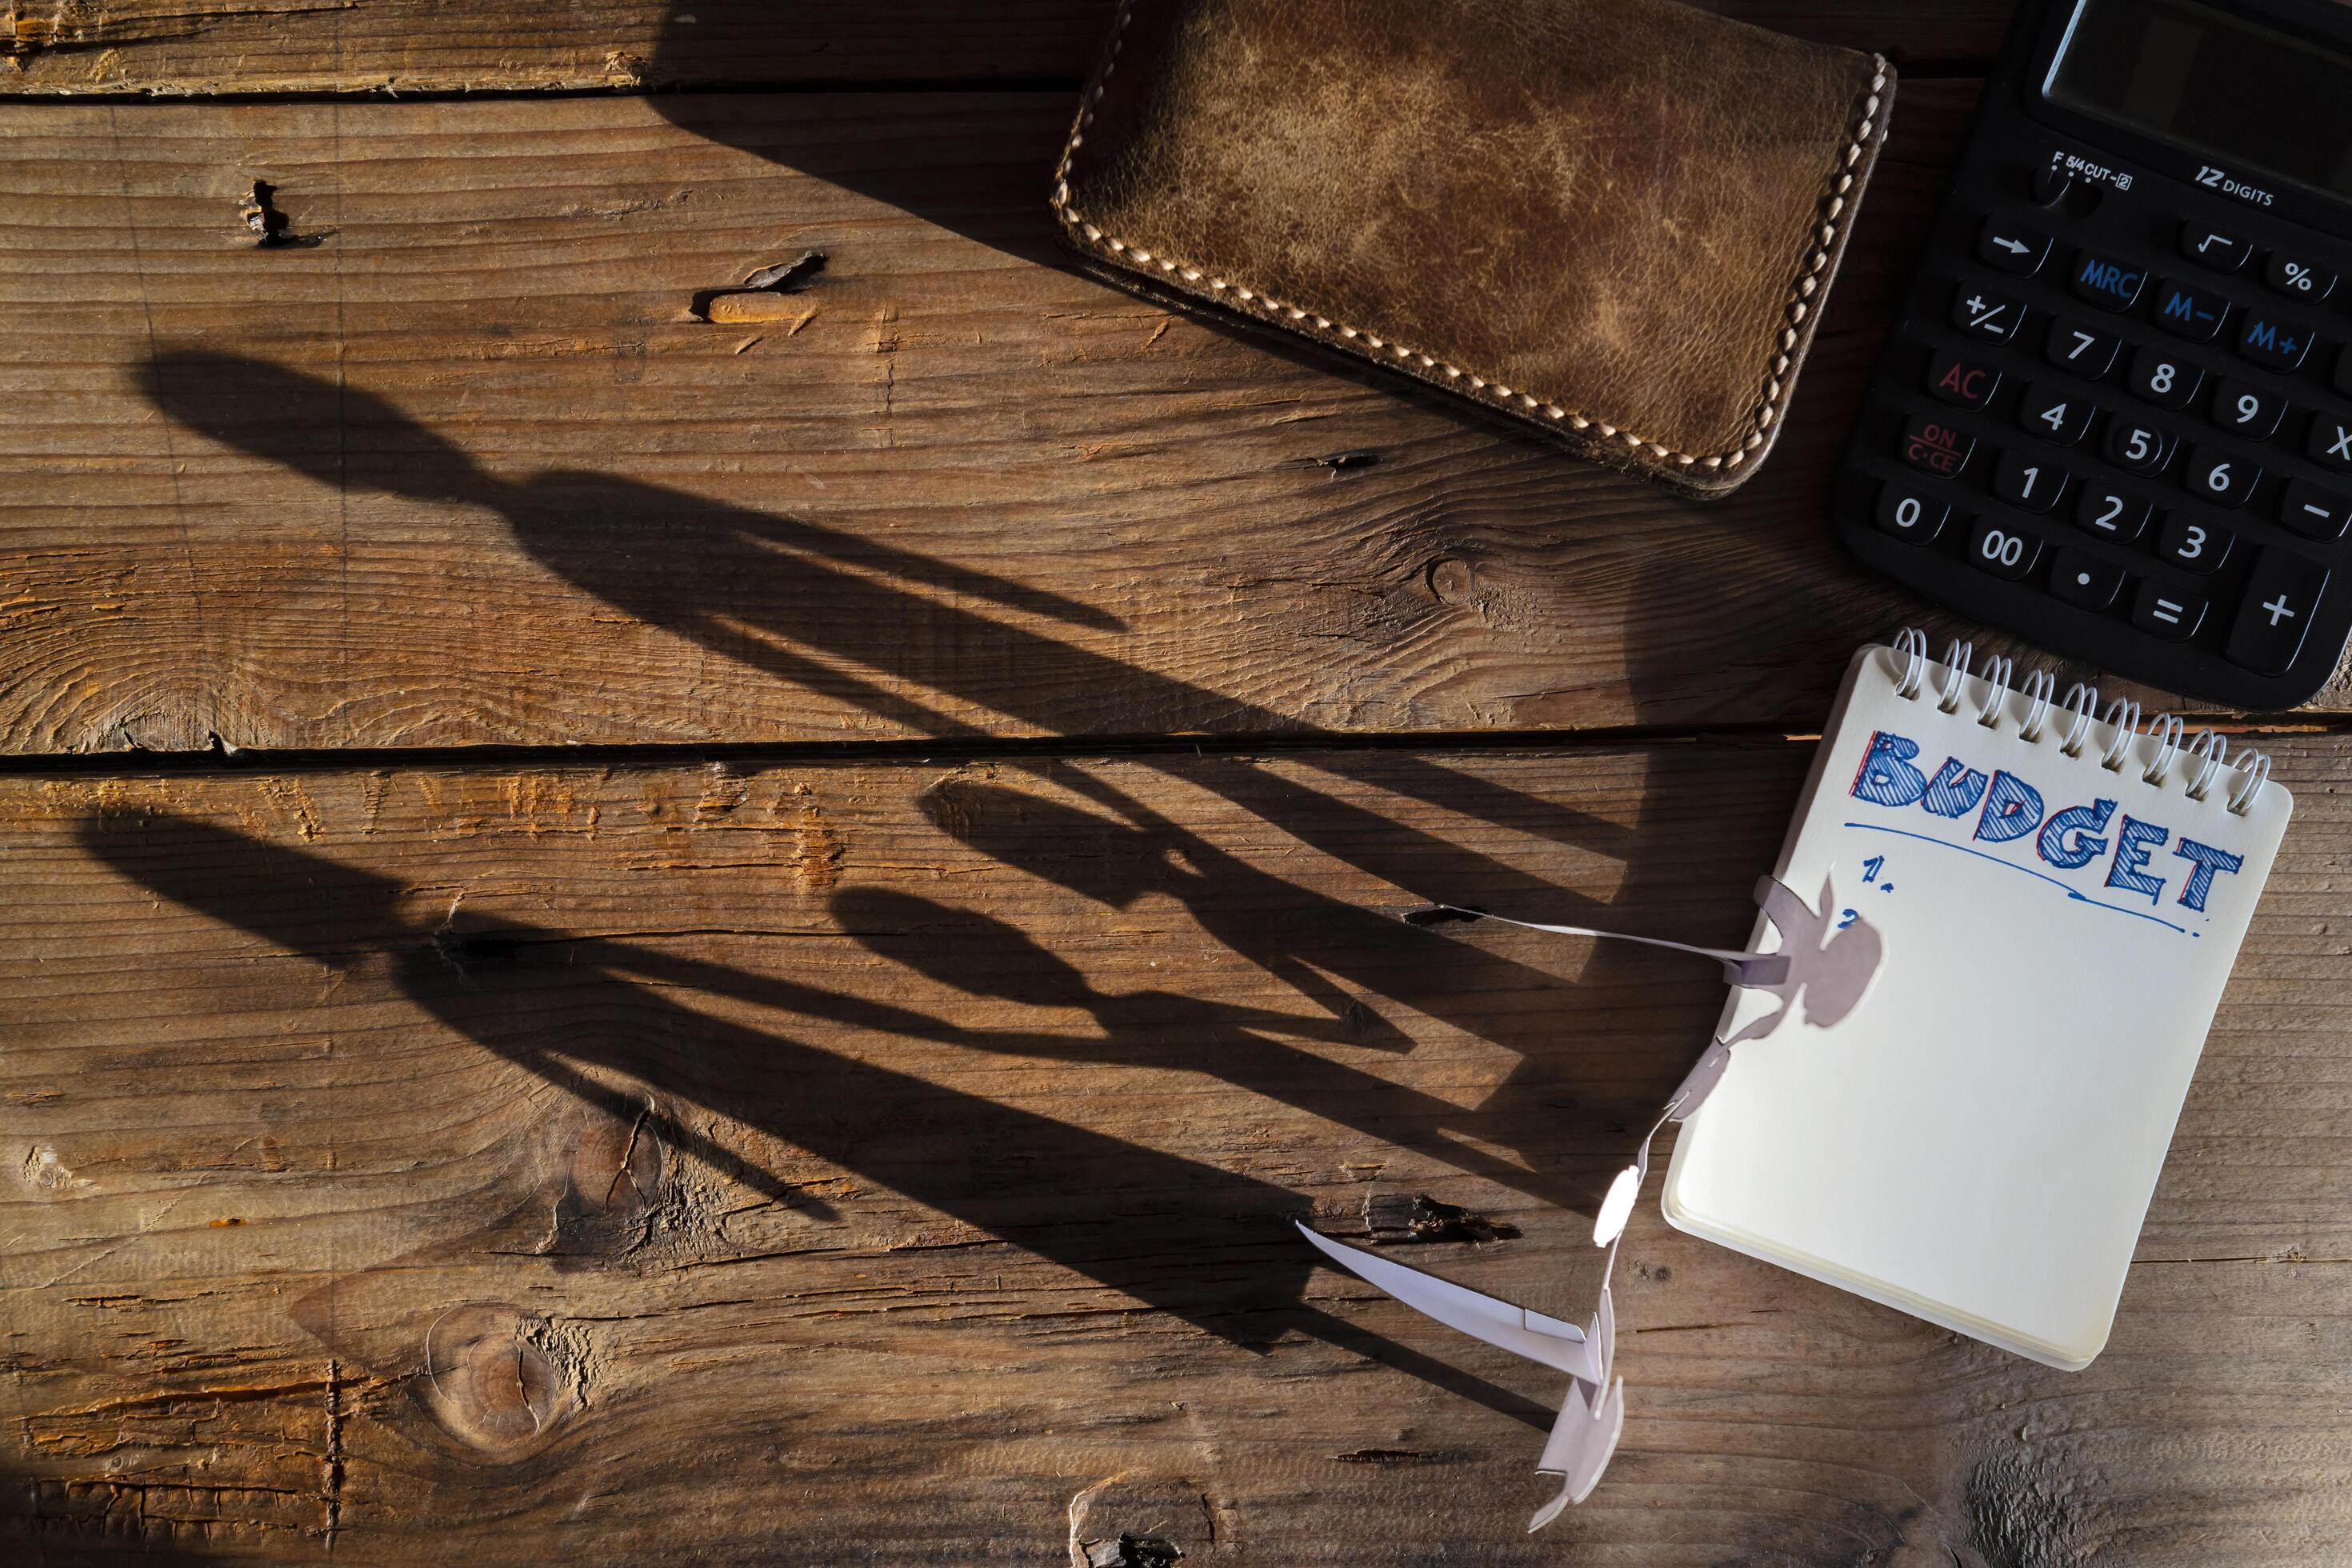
2008 248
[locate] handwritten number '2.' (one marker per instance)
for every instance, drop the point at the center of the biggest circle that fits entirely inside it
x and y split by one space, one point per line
1847 918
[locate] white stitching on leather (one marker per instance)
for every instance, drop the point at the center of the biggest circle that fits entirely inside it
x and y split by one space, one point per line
1776 383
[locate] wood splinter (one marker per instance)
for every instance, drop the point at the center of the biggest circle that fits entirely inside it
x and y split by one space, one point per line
759 297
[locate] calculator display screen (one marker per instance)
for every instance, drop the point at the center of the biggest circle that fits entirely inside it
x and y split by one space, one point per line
2218 83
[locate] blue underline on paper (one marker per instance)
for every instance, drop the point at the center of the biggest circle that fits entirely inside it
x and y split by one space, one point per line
2026 870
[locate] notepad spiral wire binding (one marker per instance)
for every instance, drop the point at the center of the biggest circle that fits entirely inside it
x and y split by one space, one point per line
2205 755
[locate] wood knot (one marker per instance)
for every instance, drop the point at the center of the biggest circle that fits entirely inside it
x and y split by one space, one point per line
1451 580
503 1380
609 1182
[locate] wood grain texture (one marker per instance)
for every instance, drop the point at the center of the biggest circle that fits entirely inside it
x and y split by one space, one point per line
180 48
854 1163
474 468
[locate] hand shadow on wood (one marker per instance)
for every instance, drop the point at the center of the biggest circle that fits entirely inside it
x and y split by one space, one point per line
1204 1245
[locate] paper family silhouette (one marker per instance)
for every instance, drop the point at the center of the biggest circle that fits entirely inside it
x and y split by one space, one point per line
1820 972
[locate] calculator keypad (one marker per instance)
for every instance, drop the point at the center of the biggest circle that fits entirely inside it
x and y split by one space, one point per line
2134 407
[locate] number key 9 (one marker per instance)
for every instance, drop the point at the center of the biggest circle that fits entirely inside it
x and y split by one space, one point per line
2244 409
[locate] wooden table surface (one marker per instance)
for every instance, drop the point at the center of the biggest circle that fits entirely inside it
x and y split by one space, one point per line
648 924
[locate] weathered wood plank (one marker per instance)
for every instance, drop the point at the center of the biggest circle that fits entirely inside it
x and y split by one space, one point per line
172 46
854 1163
472 469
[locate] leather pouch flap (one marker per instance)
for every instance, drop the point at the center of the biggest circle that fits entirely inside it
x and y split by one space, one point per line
1613 220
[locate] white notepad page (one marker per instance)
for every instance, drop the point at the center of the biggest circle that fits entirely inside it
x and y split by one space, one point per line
1976 1142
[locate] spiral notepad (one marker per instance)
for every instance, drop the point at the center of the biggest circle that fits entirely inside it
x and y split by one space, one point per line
2061 894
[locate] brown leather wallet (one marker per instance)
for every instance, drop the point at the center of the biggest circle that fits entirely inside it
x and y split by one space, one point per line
1614 221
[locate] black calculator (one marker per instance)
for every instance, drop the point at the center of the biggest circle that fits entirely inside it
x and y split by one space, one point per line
2116 415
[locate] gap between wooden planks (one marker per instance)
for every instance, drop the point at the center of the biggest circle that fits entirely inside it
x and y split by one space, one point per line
175 48
828 1162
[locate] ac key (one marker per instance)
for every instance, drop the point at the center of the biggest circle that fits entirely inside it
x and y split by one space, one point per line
1962 383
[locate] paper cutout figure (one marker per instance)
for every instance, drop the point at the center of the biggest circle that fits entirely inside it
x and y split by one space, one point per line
1821 972
1834 968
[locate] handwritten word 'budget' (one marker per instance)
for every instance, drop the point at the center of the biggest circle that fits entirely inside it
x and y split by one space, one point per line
2008 809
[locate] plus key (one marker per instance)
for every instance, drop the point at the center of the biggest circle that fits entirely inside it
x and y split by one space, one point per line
2281 597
